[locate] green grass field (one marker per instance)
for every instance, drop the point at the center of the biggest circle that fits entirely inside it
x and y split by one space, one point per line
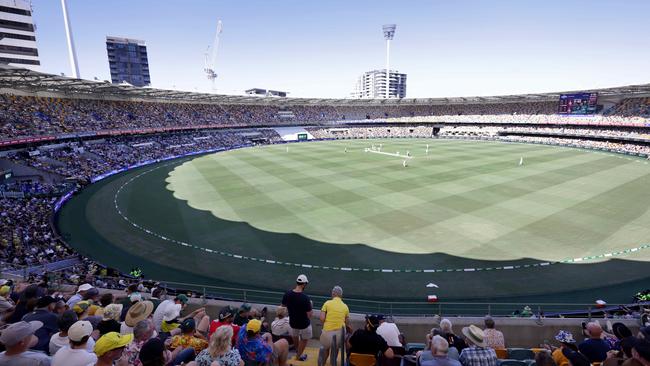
466 216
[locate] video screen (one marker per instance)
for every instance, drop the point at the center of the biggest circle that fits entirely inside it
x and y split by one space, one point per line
581 103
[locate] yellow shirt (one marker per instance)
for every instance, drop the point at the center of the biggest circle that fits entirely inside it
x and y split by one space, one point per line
336 311
167 327
559 358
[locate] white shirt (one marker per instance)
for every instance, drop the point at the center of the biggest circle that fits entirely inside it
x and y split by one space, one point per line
27 358
73 300
158 314
390 333
57 342
73 357
280 327
125 329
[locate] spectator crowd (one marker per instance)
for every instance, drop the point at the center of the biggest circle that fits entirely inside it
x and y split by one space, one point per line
42 325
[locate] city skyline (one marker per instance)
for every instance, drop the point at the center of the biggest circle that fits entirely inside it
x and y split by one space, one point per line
465 48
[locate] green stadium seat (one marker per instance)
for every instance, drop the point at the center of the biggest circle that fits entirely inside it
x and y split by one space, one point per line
521 354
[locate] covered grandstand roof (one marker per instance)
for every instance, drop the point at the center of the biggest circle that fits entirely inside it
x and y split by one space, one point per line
35 82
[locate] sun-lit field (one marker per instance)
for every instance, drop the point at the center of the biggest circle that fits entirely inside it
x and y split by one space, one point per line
251 216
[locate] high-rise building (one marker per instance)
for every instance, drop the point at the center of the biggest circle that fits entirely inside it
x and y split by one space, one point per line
372 84
17 35
128 61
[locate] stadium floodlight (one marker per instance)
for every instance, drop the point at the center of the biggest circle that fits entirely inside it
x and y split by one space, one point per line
72 53
389 33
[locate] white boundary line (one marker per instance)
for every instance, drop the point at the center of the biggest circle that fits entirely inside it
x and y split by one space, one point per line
383 270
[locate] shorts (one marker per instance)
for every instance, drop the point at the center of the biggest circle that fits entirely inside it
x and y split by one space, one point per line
302 333
326 338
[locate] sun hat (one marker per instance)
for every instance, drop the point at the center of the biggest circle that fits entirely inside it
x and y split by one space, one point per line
112 311
302 279
111 341
575 358
225 313
254 325
18 331
80 329
565 337
182 298
84 287
137 312
81 306
621 331
172 312
151 350
475 335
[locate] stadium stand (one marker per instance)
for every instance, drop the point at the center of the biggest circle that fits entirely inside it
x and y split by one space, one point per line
67 141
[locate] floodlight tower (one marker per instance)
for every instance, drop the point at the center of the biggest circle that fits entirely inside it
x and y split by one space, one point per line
72 53
389 33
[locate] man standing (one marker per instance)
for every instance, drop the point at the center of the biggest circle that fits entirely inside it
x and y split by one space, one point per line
18 338
44 314
478 353
300 311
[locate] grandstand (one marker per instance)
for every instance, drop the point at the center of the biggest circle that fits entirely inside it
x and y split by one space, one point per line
73 146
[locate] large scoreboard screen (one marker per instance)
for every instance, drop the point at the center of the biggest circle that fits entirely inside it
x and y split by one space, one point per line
581 103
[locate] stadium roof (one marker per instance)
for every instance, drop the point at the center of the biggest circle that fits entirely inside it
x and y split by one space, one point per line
35 82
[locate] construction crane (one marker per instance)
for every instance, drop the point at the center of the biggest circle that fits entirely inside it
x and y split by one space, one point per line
211 56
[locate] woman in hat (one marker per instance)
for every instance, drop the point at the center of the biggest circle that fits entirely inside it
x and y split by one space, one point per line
220 350
141 310
110 319
566 342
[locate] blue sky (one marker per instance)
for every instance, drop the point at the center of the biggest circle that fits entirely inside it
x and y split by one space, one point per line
319 48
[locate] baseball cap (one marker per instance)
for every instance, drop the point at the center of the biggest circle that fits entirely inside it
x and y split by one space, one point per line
225 313
188 324
111 341
302 279
18 331
85 287
372 320
81 306
3 281
182 298
254 325
79 330
245 307
44 301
